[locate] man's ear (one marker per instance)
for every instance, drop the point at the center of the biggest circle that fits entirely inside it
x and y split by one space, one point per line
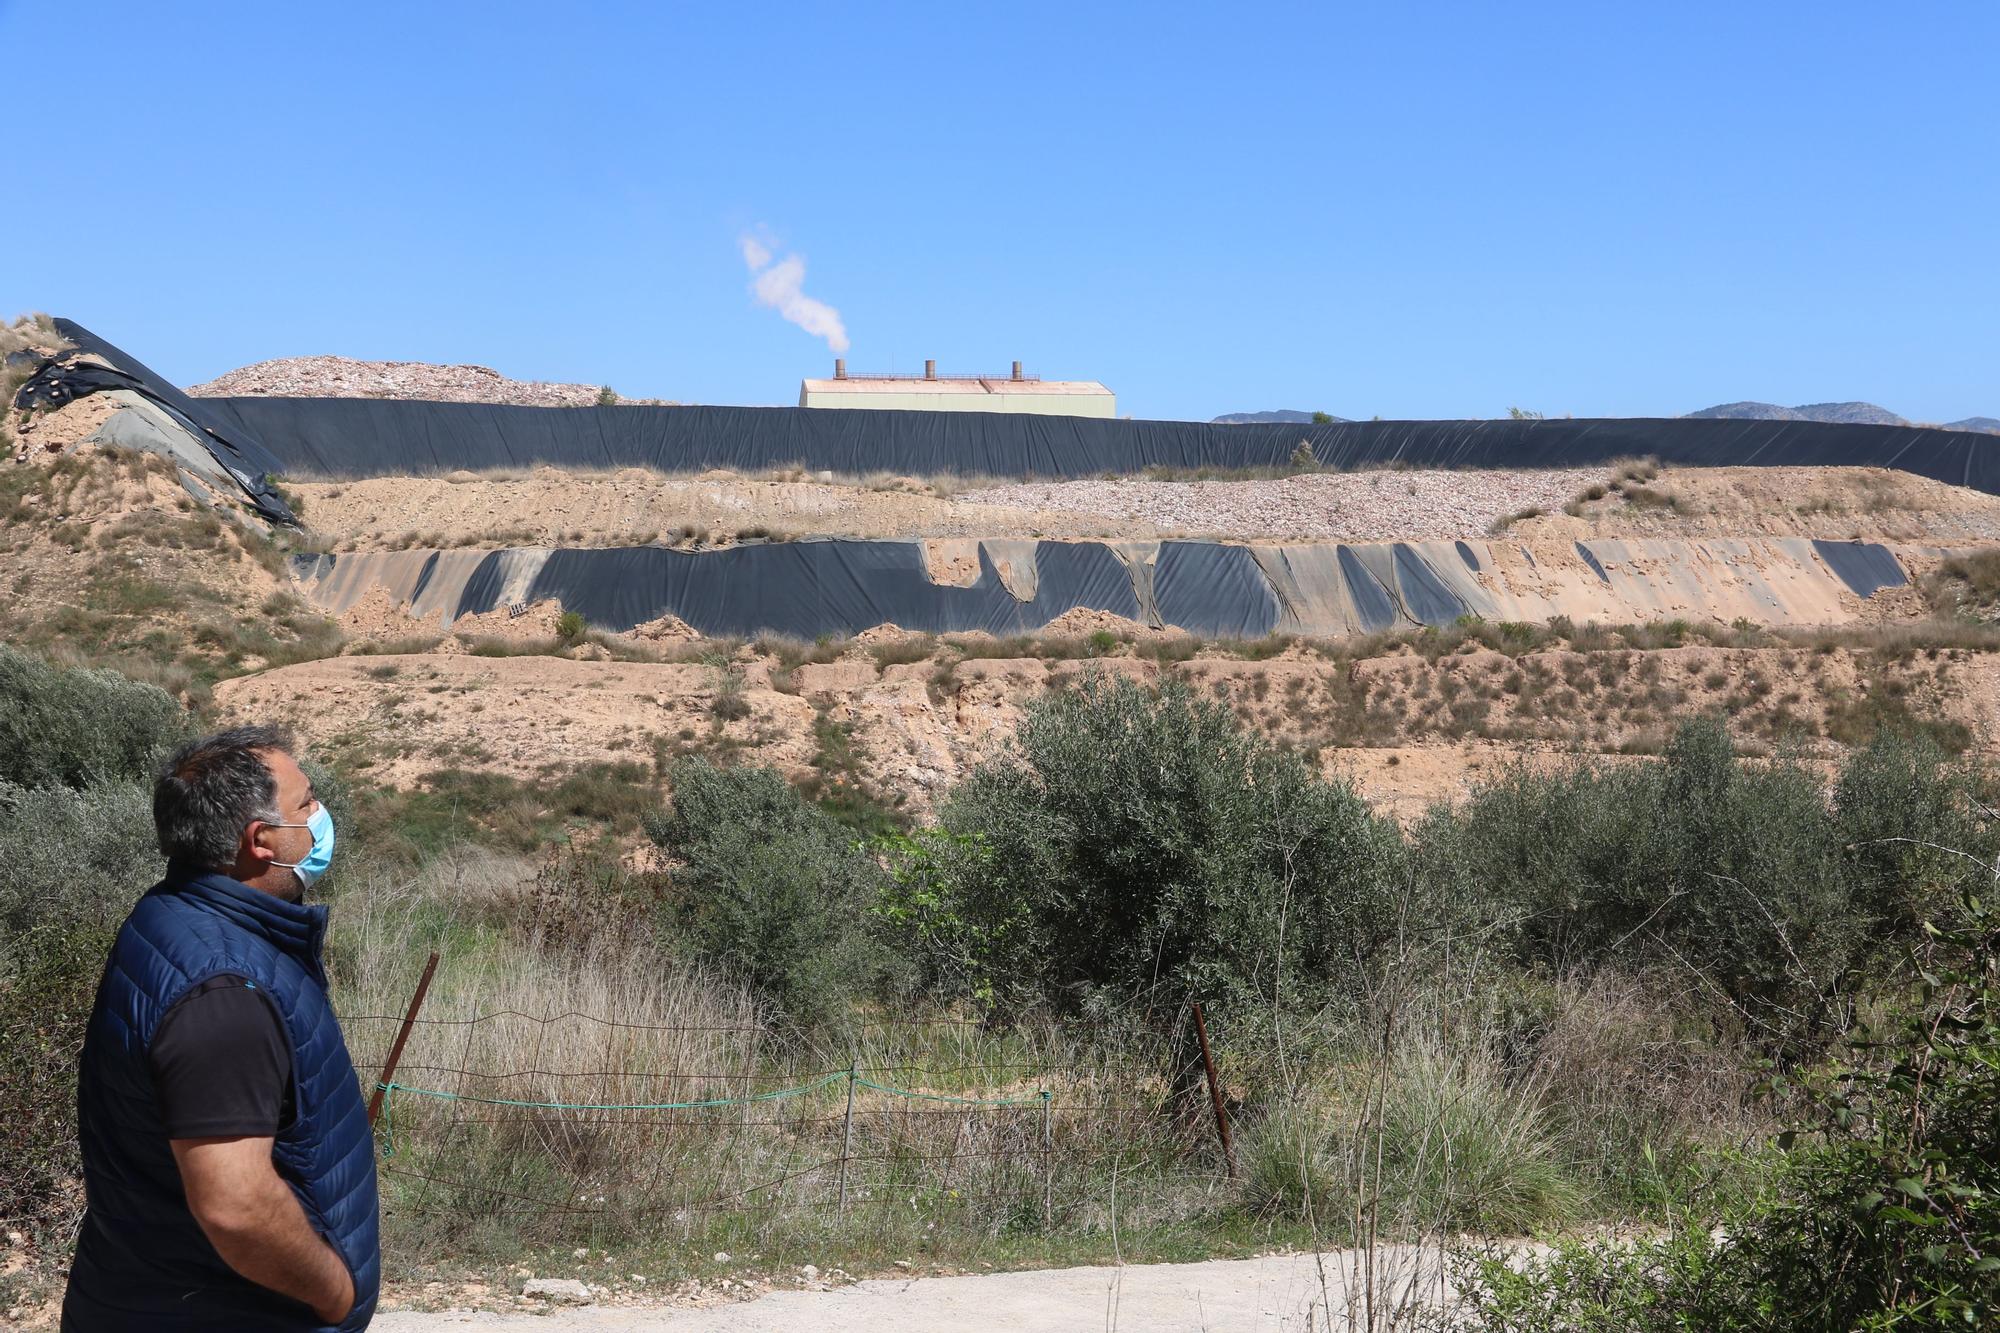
253 847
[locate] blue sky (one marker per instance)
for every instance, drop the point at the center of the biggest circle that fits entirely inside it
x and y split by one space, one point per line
1412 210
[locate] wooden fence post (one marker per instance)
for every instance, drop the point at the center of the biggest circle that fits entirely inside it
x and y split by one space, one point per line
847 1131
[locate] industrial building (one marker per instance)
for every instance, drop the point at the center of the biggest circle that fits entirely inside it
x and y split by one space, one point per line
932 392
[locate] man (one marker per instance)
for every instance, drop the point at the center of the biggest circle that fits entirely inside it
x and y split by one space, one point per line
229 1172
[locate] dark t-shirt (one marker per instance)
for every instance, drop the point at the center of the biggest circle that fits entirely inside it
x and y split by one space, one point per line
222 1067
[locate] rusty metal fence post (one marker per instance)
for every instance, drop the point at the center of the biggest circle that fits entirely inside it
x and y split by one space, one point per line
402 1036
1048 1161
1215 1093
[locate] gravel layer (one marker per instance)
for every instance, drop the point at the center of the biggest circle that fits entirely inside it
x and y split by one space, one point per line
344 377
1351 506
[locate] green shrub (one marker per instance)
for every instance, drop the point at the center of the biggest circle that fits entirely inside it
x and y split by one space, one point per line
71 726
1741 873
1134 840
46 989
72 858
1882 1212
570 627
71 864
768 887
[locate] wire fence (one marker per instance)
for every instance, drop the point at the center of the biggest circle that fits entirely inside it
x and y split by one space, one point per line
572 1126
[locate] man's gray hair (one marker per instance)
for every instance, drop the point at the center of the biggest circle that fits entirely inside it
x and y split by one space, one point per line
210 788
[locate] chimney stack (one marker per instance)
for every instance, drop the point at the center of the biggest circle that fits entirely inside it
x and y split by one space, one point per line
930 369
1017 371
840 367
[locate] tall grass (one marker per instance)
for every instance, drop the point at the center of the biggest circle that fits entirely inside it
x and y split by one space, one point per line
526 1007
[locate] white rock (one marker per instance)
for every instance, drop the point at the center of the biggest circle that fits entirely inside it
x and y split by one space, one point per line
722 1256
809 1272
559 1290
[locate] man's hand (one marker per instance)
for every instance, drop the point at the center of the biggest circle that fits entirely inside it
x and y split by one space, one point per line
251 1216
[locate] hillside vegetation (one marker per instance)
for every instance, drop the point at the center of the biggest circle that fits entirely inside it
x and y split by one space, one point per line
1564 987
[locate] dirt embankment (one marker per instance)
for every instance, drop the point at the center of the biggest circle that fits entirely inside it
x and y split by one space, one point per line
1830 503
1407 729
119 560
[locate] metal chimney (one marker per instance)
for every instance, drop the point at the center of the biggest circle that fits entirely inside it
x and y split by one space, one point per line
840 367
1017 371
930 369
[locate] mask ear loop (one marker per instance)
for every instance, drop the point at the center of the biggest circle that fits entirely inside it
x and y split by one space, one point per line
279 823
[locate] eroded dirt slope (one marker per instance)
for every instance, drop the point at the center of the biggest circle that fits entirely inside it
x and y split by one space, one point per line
1407 728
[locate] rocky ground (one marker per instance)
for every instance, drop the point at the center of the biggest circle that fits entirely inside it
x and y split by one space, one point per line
1368 506
633 506
344 377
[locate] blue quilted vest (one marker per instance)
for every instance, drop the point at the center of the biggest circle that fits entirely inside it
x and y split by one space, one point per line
142 1262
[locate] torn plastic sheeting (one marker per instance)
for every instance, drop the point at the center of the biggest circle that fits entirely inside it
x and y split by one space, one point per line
1862 566
1445 562
1591 560
842 587
237 452
1465 553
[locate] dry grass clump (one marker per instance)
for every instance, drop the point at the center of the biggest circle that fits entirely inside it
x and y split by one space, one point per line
555 988
1965 587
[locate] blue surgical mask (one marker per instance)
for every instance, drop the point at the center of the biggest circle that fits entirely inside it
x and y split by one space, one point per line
321 855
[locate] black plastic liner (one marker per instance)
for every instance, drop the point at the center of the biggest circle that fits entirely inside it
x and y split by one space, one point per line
806 589
359 437
335 437
1596 566
1862 566
1425 597
1217 588
1372 602
236 450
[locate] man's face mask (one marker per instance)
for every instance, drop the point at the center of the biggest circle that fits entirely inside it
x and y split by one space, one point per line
320 857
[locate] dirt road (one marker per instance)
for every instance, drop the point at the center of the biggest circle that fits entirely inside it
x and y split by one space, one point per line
1273 1294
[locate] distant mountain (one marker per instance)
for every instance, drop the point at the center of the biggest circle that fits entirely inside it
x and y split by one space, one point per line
1866 414
1749 412
1287 417
1851 414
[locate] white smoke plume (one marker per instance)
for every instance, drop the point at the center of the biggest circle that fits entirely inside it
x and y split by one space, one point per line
780 286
